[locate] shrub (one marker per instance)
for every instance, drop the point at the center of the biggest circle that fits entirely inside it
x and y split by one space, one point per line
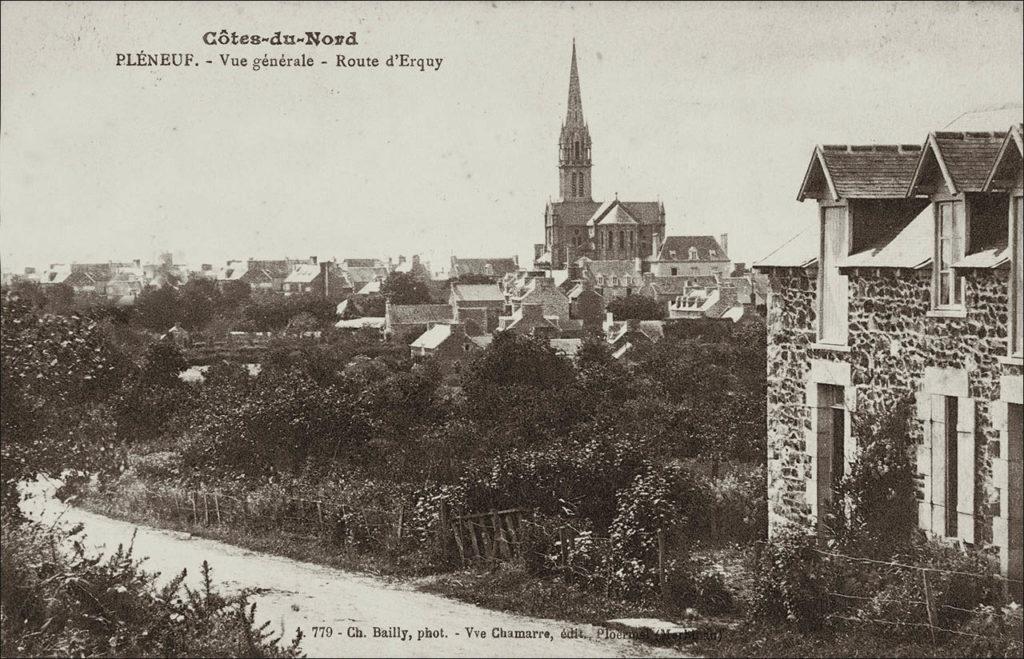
81 605
792 582
699 585
880 491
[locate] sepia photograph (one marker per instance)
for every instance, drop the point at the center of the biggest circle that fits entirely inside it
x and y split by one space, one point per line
511 329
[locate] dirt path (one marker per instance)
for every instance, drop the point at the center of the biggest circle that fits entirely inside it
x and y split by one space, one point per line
295 594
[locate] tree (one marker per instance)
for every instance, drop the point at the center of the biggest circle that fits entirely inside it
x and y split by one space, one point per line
158 308
198 301
636 307
56 371
403 288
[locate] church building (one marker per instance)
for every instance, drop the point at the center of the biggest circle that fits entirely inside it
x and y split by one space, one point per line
576 225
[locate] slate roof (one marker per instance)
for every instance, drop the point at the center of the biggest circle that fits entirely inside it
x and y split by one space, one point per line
418 314
612 212
965 160
491 267
678 285
362 263
681 245
582 212
433 337
612 268
799 251
992 257
1008 160
911 248
361 275
477 293
302 274
870 171
370 288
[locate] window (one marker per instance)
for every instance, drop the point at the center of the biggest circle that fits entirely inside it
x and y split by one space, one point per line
832 285
831 452
574 193
576 150
952 466
693 253
1017 281
949 248
675 271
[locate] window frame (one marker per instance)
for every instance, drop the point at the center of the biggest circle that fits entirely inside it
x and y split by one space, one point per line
1015 339
958 285
823 207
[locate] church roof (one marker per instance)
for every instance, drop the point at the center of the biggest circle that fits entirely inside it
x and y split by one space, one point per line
612 212
574 108
579 213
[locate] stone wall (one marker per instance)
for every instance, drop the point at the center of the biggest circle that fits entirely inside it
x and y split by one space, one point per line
892 339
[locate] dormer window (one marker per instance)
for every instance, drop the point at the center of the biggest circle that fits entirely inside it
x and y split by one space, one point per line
693 253
833 292
950 247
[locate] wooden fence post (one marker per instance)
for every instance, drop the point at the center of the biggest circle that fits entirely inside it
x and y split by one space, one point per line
444 528
564 551
929 605
206 510
195 513
661 565
216 506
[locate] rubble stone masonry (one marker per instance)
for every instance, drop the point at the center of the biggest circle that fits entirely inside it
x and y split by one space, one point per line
893 340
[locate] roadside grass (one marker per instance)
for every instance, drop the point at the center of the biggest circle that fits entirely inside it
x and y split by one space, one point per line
763 640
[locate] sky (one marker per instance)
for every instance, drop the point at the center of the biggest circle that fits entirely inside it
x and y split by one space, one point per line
713 109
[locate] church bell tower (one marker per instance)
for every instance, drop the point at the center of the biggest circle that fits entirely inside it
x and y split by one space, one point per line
574 144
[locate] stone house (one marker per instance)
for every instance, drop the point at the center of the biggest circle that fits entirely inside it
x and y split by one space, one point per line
324 279
613 278
406 320
692 256
482 303
913 295
446 343
542 291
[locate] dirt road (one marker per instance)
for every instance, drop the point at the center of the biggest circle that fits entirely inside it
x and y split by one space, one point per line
367 616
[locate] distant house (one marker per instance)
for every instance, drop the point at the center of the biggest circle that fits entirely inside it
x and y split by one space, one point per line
326 280
543 291
667 289
719 302
361 275
401 320
413 267
587 306
479 302
529 319
496 268
692 256
625 336
614 278
446 343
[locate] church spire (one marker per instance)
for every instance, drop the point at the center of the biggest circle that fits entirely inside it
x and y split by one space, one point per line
574 111
574 143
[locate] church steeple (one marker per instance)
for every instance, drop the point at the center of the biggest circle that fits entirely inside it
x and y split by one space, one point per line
574 111
574 143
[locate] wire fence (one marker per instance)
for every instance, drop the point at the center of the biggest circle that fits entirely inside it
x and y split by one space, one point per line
924 602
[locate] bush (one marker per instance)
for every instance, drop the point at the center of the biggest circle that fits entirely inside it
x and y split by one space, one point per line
81 605
699 585
880 491
792 582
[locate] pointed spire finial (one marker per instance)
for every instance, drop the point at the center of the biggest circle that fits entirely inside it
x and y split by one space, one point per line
575 108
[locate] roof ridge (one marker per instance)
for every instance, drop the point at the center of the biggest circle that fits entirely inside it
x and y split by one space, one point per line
871 148
965 134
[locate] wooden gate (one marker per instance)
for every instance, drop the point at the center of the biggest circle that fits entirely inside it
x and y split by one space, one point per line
494 535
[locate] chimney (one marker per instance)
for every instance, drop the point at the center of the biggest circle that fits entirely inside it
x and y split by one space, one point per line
655 244
312 260
325 273
137 262
517 260
723 240
415 259
401 259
